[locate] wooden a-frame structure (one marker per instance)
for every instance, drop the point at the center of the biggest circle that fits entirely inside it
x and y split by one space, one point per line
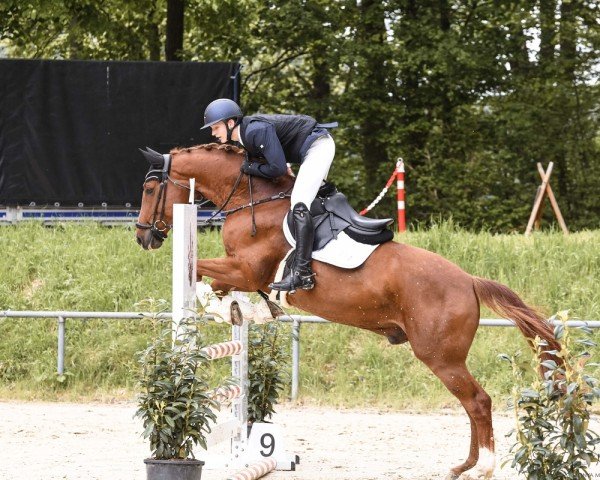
535 219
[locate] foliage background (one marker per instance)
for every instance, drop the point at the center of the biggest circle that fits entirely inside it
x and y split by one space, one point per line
471 93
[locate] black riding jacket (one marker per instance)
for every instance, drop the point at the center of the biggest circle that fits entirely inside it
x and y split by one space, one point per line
273 140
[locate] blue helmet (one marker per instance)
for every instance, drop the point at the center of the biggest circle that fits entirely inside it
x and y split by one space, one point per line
221 109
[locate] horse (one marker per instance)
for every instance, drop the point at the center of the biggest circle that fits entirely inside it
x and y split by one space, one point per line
404 293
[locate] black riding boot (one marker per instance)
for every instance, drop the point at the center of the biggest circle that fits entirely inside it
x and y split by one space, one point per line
300 275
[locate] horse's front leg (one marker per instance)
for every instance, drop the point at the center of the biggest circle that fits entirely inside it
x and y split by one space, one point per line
229 272
219 288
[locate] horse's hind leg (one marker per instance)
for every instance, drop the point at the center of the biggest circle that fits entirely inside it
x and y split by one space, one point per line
478 405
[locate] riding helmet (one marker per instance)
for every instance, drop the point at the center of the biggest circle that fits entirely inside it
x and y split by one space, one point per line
221 109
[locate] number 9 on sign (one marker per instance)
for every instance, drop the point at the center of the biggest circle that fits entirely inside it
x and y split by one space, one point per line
267 441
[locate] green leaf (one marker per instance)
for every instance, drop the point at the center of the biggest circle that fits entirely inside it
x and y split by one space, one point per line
529 393
559 331
572 387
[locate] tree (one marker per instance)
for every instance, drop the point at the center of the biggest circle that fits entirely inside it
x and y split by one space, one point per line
174 43
458 89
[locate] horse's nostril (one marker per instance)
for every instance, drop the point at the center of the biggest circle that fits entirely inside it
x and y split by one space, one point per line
139 240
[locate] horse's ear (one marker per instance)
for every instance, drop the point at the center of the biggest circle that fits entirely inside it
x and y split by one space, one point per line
153 158
153 151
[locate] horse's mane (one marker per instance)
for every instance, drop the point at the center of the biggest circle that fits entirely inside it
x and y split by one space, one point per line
209 146
229 149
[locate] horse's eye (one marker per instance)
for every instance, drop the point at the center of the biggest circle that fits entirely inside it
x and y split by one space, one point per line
149 191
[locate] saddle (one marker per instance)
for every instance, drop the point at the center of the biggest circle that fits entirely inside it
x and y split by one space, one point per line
332 214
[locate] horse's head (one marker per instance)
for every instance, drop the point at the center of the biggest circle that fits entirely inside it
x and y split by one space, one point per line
160 191
215 168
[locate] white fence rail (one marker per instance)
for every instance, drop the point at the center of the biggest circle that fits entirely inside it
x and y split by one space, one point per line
296 320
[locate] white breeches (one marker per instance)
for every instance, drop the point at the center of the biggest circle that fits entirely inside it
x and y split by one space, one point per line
313 171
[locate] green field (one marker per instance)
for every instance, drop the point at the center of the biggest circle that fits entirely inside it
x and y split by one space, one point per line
90 267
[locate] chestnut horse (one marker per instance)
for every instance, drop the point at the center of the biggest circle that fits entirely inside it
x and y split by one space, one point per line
402 292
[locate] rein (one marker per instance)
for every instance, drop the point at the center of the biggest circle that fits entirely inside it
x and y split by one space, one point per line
235 186
251 204
158 226
277 196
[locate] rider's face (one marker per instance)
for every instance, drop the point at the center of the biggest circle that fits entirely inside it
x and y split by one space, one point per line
219 130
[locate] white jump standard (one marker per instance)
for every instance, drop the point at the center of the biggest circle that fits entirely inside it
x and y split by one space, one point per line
243 453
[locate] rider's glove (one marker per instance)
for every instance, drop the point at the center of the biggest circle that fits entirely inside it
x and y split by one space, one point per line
246 166
251 168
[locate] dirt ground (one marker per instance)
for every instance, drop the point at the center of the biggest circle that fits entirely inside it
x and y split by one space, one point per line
47 441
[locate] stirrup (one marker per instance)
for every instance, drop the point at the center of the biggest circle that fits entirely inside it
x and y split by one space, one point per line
290 283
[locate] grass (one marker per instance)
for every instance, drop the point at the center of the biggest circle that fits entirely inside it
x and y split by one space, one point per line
89 267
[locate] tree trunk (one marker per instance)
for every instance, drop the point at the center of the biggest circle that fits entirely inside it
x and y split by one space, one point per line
568 40
321 87
517 44
567 62
444 15
548 33
372 35
416 138
74 37
446 113
174 45
153 35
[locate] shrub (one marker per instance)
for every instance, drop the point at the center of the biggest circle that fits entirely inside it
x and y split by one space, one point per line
268 360
553 438
174 402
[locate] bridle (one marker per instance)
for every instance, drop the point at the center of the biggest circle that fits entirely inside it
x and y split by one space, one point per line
158 226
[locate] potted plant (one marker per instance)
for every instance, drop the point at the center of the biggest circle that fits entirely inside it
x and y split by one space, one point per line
174 403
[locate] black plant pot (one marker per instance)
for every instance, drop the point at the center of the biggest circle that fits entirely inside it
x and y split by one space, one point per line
173 469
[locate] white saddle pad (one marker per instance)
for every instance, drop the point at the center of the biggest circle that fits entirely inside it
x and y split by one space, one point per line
341 252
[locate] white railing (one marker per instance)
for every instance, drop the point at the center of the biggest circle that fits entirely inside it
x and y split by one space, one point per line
295 320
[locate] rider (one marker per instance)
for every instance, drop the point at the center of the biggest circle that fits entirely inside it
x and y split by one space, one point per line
271 141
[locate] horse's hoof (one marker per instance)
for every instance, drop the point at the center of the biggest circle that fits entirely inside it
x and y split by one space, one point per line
475 474
237 318
276 310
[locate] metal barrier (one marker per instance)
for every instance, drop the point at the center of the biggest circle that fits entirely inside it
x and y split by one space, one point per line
103 214
295 320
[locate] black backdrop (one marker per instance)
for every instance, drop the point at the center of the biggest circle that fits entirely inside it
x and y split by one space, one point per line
69 130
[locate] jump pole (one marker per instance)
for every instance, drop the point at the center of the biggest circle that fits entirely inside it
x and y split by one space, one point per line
401 203
233 429
185 243
398 175
255 470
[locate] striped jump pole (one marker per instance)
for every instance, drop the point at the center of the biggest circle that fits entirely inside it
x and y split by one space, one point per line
401 203
226 394
224 349
256 470
398 175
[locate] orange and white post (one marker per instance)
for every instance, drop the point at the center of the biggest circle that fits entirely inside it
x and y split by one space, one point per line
401 195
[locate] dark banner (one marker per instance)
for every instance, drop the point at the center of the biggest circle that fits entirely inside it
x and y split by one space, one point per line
69 130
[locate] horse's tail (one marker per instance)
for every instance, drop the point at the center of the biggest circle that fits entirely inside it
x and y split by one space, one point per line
507 303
